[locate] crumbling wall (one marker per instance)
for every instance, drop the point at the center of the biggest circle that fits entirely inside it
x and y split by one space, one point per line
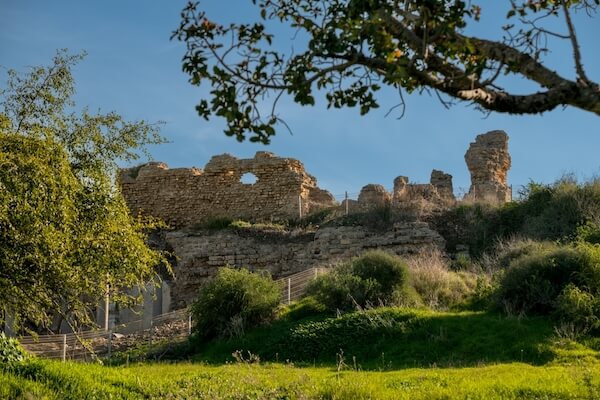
373 196
200 254
488 161
186 196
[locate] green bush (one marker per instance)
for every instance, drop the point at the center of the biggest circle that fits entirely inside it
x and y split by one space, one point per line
375 278
579 307
306 307
234 301
10 350
542 212
506 251
554 280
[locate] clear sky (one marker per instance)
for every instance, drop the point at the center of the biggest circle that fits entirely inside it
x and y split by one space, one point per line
133 68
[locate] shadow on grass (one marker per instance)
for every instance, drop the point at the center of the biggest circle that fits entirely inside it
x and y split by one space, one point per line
389 338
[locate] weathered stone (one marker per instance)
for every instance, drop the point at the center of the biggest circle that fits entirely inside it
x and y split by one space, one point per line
199 254
436 194
373 196
186 196
443 183
488 161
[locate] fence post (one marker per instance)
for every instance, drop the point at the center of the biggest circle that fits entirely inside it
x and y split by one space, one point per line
64 347
109 350
106 305
346 201
289 291
300 206
189 324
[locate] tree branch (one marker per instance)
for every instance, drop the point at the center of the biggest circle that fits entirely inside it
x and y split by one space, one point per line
576 52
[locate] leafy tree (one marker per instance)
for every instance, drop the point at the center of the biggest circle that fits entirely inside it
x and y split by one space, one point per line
65 231
354 47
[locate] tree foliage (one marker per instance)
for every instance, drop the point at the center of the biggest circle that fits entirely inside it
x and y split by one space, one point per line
354 47
65 231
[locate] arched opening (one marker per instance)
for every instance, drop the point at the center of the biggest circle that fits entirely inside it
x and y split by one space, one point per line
249 178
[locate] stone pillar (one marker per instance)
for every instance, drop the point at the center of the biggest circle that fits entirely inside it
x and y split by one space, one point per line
443 184
488 161
400 184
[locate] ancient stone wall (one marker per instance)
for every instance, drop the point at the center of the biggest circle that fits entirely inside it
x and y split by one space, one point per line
186 196
200 254
488 161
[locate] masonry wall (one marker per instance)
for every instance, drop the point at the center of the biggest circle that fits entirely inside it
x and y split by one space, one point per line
200 254
186 196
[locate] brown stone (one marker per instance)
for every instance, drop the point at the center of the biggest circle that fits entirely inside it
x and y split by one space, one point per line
372 196
443 183
201 253
488 161
186 196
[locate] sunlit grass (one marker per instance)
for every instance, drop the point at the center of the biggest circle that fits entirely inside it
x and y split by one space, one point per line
53 380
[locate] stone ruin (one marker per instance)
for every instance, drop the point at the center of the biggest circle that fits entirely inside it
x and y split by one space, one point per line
187 196
284 190
488 161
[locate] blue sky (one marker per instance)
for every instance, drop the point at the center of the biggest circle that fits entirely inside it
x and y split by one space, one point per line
133 68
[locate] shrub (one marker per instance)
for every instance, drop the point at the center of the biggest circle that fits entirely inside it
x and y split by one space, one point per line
306 307
234 301
506 251
215 224
438 286
560 280
10 350
543 212
372 279
387 270
579 307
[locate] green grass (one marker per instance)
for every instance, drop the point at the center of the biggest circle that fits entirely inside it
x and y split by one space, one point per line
403 338
386 353
53 380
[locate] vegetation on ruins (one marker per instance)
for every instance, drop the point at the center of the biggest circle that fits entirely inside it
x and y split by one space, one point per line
347 50
66 235
234 301
560 211
375 278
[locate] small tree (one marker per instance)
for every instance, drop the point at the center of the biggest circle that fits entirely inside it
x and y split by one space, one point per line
65 231
233 302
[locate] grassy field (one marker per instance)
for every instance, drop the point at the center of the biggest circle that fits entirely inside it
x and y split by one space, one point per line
392 338
387 353
53 380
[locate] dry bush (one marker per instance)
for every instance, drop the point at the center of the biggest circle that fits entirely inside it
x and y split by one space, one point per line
506 250
439 287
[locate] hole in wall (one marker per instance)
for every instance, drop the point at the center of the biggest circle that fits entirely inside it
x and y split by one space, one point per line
249 178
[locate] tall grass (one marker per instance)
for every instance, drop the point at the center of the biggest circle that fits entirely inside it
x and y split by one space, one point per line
439 287
53 381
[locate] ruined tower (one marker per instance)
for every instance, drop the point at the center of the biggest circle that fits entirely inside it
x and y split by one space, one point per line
488 161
